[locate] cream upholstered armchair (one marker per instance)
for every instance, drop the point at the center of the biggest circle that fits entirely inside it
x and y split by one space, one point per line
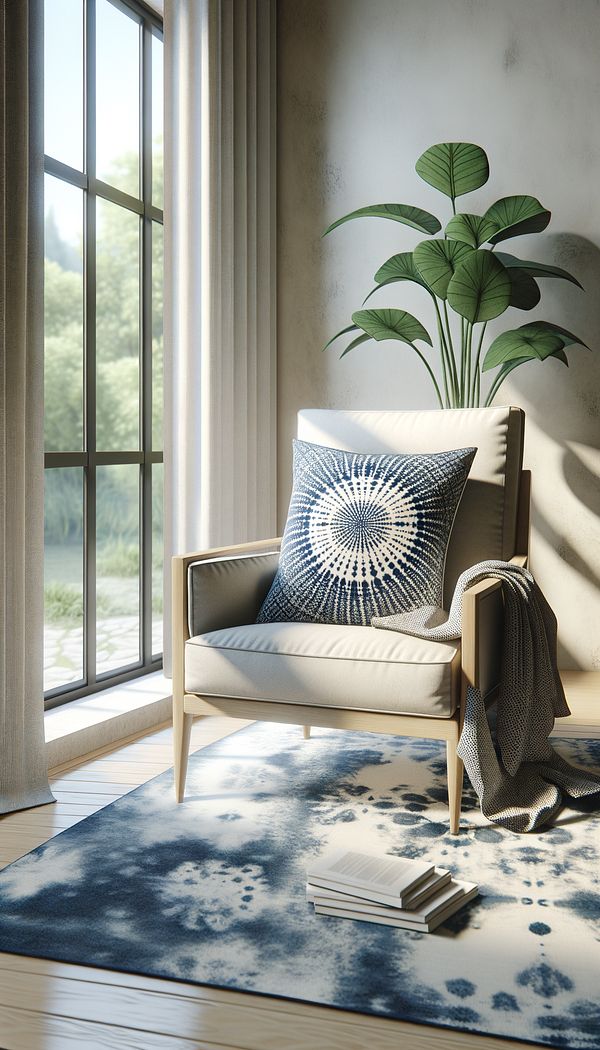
349 677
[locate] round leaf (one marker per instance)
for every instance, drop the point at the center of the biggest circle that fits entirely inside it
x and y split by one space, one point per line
515 216
391 324
436 262
400 267
519 345
454 168
536 269
420 220
480 288
474 230
548 328
524 292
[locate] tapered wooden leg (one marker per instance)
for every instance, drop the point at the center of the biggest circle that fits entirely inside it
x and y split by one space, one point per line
306 731
182 728
455 784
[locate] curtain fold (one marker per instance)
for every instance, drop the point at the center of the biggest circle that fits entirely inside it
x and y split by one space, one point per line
220 380
23 774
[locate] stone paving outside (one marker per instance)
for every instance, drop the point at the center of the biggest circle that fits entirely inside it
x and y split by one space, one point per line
117 643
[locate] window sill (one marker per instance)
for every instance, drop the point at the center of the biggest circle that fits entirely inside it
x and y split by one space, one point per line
96 721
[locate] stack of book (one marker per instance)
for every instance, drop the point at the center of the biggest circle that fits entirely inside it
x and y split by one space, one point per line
393 891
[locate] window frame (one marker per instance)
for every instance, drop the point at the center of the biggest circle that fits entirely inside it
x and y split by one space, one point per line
150 25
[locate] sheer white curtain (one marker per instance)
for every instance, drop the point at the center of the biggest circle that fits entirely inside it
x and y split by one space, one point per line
220 384
23 778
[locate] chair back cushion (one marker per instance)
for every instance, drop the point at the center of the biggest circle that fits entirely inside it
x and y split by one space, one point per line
485 524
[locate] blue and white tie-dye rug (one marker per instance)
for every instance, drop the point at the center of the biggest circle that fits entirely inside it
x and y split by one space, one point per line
212 891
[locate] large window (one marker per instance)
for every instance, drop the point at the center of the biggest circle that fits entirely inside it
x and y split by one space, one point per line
103 344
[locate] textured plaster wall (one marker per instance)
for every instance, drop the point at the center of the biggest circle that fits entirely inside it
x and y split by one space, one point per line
364 87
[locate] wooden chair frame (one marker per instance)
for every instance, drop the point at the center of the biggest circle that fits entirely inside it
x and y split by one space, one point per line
482 617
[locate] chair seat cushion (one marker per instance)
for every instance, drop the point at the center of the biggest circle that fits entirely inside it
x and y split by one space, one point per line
325 665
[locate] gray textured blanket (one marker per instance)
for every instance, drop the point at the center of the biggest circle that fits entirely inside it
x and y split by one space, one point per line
520 780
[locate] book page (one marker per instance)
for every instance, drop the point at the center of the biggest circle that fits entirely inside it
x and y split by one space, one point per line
385 874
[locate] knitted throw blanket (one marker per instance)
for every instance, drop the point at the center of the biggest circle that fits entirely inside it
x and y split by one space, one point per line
519 777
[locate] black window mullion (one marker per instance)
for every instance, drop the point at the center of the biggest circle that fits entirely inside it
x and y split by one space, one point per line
90 349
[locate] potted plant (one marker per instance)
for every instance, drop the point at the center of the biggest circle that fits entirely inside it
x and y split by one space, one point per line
468 280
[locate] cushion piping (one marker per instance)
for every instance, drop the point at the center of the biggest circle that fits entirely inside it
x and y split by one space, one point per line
307 656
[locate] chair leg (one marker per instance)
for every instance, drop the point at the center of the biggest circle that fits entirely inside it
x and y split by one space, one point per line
455 784
306 731
182 728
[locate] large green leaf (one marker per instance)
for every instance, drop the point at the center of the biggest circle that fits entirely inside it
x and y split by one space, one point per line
391 324
420 220
524 292
480 288
548 328
400 267
343 331
520 345
515 216
454 168
436 262
474 230
536 269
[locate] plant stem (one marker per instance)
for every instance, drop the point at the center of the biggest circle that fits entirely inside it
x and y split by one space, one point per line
451 356
445 378
476 373
498 381
428 367
446 366
464 351
467 387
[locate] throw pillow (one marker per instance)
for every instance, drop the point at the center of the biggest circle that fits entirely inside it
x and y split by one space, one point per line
366 535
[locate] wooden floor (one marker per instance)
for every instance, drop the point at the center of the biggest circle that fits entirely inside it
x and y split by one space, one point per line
57 1006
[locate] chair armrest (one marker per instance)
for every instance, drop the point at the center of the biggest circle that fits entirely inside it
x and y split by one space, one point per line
482 624
180 564
228 591
195 576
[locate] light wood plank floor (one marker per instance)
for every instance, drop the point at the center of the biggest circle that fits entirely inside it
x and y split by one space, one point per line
56 1006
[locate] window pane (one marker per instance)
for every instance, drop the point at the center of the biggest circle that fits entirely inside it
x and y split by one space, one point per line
117 327
117 567
157 336
63 316
63 576
63 81
117 98
157 122
157 559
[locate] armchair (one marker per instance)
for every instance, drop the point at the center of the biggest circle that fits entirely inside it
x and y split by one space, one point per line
348 677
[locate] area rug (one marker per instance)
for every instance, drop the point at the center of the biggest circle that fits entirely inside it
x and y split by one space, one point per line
212 891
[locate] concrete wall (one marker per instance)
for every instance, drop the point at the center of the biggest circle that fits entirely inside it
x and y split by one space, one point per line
364 87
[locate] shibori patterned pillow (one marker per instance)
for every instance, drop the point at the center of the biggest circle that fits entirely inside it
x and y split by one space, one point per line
366 535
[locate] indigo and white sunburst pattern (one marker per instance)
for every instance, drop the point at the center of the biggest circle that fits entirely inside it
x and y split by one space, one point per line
366 535
212 891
